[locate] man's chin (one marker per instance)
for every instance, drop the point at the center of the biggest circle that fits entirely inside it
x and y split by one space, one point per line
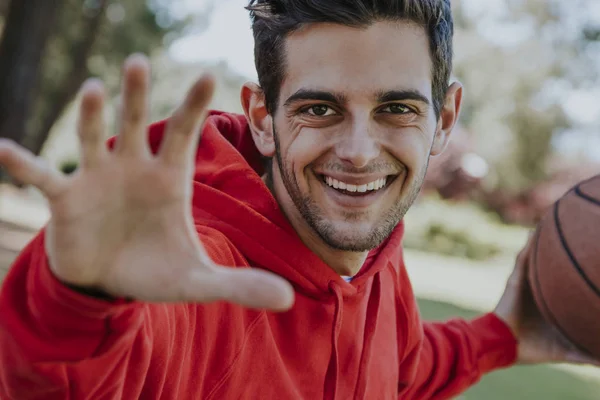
351 245
350 237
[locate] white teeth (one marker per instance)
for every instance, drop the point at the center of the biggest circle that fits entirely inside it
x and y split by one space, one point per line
375 185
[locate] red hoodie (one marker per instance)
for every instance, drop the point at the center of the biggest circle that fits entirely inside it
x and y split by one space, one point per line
358 340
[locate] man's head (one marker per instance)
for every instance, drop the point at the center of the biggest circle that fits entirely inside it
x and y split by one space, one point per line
353 94
274 20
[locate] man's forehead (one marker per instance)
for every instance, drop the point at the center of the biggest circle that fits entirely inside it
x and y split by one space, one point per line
367 60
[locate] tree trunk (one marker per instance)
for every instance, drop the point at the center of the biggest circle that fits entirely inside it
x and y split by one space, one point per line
28 26
72 82
4 7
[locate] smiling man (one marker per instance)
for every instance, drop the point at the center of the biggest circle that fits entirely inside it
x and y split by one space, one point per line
351 125
259 257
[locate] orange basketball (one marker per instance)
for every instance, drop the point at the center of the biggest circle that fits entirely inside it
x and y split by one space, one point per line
565 266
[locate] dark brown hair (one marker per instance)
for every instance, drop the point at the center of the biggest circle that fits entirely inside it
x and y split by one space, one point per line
273 20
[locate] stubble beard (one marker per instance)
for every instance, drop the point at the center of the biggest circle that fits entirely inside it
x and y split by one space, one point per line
326 230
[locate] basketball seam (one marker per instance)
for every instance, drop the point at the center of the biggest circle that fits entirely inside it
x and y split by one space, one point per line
542 303
570 254
584 196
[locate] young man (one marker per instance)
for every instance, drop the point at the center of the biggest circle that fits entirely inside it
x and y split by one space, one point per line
183 268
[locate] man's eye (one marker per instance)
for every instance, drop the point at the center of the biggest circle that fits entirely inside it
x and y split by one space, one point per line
320 110
396 109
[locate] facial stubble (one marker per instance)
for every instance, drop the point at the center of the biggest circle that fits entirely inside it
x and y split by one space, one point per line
314 218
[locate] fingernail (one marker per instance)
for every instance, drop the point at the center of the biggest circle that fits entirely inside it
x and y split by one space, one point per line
93 84
137 59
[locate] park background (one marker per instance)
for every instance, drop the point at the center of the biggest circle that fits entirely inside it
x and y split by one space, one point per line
528 132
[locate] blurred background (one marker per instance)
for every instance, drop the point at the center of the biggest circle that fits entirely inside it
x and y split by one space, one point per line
530 130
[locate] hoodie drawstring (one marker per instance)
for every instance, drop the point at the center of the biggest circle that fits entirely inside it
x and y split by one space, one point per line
331 378
370 324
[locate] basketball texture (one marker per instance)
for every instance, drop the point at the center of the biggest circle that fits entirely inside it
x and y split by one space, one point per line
564 269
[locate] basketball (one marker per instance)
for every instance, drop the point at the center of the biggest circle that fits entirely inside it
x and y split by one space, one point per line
564 269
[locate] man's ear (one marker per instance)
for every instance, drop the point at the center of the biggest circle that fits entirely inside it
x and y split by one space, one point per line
448 117
260 121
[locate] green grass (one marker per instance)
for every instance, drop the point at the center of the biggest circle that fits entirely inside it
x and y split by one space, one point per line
520 382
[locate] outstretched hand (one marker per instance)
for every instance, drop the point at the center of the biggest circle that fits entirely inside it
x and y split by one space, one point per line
539 341
122 222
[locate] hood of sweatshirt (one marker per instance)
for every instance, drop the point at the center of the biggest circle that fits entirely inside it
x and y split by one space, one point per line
231 197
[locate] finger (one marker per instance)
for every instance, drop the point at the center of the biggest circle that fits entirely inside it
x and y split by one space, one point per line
132 140
184 127
91 124
29 169
521 269
524 253
248 287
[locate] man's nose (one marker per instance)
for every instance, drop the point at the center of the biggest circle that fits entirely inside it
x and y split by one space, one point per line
358 146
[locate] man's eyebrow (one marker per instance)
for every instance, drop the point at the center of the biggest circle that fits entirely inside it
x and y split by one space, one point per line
399 95
321 95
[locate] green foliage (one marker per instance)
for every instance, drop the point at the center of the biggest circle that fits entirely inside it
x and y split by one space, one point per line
441 239
460 230
93 38
133 26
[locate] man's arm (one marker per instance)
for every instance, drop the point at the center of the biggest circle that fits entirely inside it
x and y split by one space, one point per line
450 357
442 359
453 356
56 343
116 225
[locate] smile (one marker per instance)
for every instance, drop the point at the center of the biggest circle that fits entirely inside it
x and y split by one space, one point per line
355 192
363 188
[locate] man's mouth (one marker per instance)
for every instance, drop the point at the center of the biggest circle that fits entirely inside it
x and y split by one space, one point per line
363 189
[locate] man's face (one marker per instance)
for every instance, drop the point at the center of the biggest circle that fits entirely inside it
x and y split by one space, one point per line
354 130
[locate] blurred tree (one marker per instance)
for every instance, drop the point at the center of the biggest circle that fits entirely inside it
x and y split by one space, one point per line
65 66
519 63
25 34
3 8
49 48
92 39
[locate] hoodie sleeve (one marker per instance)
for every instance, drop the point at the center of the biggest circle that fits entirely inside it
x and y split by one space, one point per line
450 357
57 344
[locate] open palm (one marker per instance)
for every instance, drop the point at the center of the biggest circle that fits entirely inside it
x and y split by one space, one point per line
122 223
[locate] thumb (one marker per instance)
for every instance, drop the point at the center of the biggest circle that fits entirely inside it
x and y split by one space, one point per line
519 273
513 305
248 287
